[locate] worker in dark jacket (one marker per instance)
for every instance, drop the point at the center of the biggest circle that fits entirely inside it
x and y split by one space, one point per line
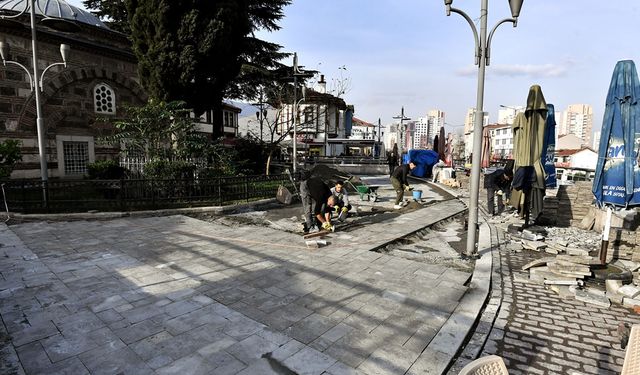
314 190
400 182
497 184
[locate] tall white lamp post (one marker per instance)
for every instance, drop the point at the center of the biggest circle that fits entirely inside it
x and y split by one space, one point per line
36 79
401 131
482 54
297 72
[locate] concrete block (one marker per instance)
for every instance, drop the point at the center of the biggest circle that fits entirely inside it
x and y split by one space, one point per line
629 291
576 252
612 286
615 297
563 291
630 302
561 281
592 298
588 260
538 262
529 235
533 245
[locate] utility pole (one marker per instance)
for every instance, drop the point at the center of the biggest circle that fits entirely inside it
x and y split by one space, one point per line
402 119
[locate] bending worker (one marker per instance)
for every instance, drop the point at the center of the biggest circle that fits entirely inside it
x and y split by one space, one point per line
400 183
316 191
342 206
496 183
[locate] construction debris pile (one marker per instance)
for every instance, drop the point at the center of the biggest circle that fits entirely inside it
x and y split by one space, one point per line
573 269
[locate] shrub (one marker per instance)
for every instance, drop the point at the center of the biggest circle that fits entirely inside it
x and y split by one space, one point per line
10 155
106 170
166 169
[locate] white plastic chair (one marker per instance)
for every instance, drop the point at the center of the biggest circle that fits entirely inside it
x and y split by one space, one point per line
489 365
631 364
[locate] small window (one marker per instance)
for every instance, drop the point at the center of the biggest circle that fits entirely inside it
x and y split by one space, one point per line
104 99
76 157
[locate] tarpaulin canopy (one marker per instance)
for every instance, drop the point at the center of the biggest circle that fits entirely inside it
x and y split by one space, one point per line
528 134
441 145
549 148
485 157
449 151
617 178
424 160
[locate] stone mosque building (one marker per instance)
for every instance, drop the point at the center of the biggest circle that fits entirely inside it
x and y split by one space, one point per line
98 82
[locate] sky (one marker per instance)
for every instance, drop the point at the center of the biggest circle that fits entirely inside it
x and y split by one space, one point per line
410 54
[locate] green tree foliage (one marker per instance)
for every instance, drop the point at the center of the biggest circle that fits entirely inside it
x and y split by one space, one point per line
158 130
189 50
10 155
112 12
199 51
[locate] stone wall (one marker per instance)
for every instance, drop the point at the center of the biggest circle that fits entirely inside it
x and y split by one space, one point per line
67 100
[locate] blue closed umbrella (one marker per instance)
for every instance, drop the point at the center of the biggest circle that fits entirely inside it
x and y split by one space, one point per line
549 149
617 179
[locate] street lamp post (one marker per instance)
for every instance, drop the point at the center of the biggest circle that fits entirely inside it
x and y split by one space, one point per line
482 56
297 72
402 119
36 80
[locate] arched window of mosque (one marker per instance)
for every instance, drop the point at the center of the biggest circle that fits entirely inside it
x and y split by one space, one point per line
104 99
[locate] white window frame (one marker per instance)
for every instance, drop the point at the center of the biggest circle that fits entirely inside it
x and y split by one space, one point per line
60 139
95 102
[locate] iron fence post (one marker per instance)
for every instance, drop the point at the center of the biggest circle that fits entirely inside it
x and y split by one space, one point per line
121 194
219 179
45 188
246 188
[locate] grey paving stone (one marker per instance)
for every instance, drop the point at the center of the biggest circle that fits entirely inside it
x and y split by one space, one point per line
251 348
339 368
389 359
120 361
59 347
34 333
311 327
309 361
138 331
193 364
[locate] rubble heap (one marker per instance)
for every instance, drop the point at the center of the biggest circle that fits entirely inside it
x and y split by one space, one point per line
571 263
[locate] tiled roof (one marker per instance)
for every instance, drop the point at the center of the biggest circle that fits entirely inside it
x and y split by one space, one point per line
56 9
358 122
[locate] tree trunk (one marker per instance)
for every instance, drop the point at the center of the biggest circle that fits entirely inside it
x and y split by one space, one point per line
269 161
217 119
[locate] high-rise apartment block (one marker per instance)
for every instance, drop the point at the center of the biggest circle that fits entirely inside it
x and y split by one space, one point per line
577 120
507 114
427 127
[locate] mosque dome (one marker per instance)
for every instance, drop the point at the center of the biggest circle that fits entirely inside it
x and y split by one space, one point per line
55 9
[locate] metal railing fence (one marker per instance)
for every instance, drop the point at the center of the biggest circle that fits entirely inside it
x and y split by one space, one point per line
26 196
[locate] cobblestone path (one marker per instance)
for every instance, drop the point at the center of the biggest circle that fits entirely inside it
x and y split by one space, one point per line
537 332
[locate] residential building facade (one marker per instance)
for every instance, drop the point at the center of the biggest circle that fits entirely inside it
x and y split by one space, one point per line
469 123
324 121
577 119
501 141
575 164
507 114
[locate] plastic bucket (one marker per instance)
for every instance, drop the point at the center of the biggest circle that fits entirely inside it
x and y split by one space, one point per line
417 194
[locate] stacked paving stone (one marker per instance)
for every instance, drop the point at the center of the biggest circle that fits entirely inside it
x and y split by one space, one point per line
565 272
571 203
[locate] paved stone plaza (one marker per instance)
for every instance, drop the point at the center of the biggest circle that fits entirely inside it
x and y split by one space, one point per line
174 294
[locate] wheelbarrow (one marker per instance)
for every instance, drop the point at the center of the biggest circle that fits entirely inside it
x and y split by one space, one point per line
369 191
